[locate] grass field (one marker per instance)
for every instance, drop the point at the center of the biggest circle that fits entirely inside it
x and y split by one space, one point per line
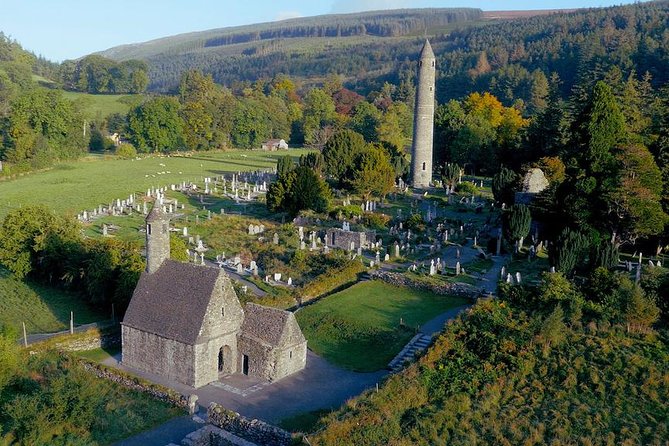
99 106
43 309
359 328
73 187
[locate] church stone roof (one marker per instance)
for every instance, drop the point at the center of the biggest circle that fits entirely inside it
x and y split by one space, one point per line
275 327
172 302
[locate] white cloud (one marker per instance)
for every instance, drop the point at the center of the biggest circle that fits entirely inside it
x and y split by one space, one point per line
340 6
285 15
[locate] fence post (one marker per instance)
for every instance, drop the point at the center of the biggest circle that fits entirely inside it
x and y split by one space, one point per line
71 322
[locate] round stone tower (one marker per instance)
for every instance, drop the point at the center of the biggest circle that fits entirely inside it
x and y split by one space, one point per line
157 238
423 121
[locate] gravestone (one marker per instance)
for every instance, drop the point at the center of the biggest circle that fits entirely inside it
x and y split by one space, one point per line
275 239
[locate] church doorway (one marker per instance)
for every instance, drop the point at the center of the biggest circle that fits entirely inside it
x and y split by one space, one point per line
245 364
225 364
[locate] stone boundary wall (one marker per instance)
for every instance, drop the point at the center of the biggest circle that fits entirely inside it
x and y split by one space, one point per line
213 436
452 289
252 430
91 339
133 383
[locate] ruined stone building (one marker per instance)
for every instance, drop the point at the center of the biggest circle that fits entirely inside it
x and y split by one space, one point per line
423 123
534 182
185 322
349 240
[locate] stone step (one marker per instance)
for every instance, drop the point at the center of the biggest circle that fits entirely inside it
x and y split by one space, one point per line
417 344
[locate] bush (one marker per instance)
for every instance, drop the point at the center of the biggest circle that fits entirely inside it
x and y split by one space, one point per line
466 188
331 280
126 151
375 221
348 212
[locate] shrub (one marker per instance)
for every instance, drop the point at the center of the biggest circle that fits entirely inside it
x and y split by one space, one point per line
375 221
466 188
126 151
331 280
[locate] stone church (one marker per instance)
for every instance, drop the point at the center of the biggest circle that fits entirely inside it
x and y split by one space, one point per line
185 322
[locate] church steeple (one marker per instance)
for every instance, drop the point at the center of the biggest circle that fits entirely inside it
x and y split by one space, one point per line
423 128
157 238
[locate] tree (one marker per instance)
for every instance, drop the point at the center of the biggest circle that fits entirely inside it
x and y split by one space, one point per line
504 185
635 201
639 312
319 112
599 128
156 126
299 189
24 234
371 173
340 151
567 250
313 161
517 224
284 165
365 120
450 174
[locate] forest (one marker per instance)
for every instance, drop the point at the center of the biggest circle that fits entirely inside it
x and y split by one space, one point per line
505 57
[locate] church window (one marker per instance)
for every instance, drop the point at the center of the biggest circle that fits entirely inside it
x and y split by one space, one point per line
148 229
424 166
223 311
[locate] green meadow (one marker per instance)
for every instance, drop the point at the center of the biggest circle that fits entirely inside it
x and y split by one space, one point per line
85 184
359 327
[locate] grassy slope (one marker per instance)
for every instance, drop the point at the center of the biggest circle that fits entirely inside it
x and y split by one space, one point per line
42 309
99 106
358 328
73 187
491 380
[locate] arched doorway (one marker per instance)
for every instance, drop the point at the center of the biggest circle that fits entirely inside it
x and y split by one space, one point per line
225 362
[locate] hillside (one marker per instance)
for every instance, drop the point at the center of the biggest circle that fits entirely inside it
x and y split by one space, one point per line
497 50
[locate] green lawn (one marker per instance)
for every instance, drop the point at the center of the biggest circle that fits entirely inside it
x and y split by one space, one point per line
75 186
99 106
43 309
359 328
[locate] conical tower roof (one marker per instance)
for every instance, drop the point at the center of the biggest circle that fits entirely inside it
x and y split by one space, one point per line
426 52
156 213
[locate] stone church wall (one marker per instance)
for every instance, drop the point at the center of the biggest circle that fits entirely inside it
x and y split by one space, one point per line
261 357
206 359
289 361
155 354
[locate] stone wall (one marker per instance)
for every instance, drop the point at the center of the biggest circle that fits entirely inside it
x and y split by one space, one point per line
338 238
131 382
451 289
152 353
213 436
255 431
91 339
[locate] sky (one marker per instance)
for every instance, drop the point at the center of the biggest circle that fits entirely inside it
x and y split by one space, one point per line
68 29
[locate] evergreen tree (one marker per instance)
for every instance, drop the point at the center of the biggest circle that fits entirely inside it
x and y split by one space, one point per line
504 185
517 224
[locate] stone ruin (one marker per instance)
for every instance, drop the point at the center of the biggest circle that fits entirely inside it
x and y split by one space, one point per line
534 182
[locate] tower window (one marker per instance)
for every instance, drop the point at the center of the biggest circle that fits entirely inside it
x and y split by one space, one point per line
223 312
430 88
420 63
423 166
148 229
432 64
290 354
